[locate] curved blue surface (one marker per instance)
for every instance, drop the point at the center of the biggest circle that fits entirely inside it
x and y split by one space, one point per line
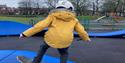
120 33
14 28
114 33
9 56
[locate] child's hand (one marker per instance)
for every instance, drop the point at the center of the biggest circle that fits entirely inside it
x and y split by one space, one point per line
21 36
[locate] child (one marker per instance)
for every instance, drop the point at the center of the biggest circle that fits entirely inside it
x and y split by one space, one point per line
61 24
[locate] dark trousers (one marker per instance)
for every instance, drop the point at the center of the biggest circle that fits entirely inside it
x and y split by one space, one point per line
43 48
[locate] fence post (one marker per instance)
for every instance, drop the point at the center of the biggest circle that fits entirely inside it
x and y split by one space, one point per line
86 23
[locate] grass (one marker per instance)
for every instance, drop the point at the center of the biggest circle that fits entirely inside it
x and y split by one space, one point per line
88 17
24 20
32 20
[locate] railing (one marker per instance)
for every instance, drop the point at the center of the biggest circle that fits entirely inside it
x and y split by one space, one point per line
107 24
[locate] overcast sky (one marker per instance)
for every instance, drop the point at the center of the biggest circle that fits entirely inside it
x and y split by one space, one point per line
10 3
14 3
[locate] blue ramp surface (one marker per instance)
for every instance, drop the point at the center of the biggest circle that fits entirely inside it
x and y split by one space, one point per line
9 56
109 34
12 28
120 33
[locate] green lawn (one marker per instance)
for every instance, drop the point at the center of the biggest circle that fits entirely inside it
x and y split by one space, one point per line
20 19
27 18
23 19
32 20
88 17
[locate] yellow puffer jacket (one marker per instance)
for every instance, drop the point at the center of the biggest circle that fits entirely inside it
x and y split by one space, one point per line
61 25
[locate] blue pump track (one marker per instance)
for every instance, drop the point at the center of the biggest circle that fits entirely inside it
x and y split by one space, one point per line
9 56
8 28
14 28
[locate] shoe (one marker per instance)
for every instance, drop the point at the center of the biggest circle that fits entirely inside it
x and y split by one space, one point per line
23 59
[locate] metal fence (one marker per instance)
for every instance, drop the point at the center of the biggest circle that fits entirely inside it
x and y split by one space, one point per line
106 24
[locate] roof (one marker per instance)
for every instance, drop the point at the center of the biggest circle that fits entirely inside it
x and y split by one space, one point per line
3 6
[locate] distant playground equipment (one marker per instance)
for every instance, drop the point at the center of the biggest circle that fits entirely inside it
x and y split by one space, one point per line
110 22
33 22
9 28
85 22
100 18
107 20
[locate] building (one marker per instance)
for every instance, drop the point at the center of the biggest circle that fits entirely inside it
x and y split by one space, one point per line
4 10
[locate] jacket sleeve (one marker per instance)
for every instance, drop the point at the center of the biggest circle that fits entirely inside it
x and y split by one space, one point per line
81 31
38 27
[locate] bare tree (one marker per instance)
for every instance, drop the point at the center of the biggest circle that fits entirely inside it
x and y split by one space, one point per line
51 3
25 6
115 6
30 7
109 6
93 8
120 7
81 6
25 3
96 6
